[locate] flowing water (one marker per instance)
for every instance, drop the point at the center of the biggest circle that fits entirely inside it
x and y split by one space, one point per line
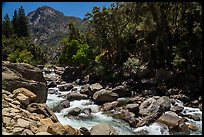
97 117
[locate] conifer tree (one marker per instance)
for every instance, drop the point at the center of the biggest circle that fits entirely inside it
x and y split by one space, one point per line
15 23
22 23
6 26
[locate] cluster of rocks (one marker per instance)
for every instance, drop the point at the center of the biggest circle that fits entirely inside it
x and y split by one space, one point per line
137 111
24 112
154 103
21 116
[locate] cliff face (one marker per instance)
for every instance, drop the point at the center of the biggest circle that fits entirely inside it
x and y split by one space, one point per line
48 26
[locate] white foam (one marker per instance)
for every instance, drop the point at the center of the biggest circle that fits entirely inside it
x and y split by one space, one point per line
53 100
82 104
121 127
154 129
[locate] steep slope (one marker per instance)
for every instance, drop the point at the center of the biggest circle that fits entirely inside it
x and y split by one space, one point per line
48 26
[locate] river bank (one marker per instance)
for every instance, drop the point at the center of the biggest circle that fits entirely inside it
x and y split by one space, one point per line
38 101
125 113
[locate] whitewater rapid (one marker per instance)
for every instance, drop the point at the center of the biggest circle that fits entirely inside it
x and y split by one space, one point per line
121 127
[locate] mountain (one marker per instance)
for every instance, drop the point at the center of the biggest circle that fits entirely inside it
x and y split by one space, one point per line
48 26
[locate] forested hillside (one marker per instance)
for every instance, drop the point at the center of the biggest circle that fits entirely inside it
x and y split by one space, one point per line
119 39
129 35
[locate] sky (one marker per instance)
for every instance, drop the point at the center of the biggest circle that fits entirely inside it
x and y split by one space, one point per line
77 9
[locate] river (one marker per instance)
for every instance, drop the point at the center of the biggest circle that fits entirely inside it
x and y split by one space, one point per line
121 127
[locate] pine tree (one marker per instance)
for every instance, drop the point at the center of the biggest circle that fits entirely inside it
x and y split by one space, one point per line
15 23
22 23
6 26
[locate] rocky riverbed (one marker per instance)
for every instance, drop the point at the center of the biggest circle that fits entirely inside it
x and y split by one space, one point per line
86 106
40 101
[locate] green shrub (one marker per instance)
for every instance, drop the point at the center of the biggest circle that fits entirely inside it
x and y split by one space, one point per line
99 70
75 54
20 56
178 61
131 65
22 50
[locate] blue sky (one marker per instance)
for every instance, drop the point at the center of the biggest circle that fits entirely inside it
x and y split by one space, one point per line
77 9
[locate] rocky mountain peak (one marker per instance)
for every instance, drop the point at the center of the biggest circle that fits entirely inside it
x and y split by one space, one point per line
48 26
42 14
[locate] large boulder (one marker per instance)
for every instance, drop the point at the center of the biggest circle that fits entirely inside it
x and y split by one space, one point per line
26 92
148 119
22 75
149 106
171 119
95 87
102 96
56 129
103 129
42 109
109 105
69 130
85 89
164 102
122 91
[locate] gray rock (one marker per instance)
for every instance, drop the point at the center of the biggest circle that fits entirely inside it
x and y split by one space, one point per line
65 87
103 129
23 123
148 119
26 92
87 111
63 104
56 129
177 109
52 91
42 109
74 112
75 96
95 87
109 106
23 99
84 131
194 117
85 89
164 102
27 132
122 91
133 108
6 121
170 119
149 106
102 96
18 75
17 130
